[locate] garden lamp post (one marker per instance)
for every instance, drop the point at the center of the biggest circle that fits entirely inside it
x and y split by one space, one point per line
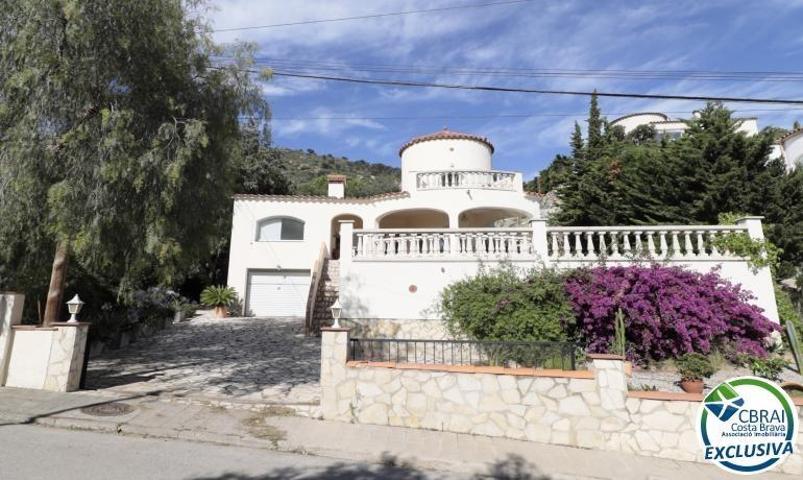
336 311
74 307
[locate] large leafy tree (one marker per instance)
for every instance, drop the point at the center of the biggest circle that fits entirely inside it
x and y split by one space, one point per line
712 169
118 140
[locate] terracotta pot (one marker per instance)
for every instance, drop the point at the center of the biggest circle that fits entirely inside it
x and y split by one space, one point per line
221 312
692 386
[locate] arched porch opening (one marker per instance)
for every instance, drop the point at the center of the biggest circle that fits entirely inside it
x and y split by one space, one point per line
414 218
493 217
334 241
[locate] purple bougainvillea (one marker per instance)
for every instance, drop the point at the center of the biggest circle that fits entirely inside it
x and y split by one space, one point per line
668 311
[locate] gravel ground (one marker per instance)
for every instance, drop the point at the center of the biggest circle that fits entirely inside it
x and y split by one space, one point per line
666 378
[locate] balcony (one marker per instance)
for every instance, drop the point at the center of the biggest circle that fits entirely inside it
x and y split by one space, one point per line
465 243
560 244
482 179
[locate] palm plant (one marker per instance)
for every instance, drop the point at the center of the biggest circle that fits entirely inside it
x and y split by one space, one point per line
219 297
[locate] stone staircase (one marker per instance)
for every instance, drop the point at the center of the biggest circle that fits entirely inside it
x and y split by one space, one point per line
327 294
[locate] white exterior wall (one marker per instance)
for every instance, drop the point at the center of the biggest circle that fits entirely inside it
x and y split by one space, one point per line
793 151
749 126
442 154
369 291
248 254
630 123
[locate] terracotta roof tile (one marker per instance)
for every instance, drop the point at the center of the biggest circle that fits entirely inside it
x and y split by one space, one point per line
666 117
333 177
792 133
322 198
446 134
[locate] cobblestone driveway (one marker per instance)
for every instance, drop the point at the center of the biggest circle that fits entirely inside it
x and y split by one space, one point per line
237 359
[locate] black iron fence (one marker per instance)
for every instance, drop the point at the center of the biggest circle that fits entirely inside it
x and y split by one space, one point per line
560 355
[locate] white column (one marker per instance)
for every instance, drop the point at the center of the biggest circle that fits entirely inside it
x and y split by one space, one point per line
10 315
346 243
346 250
763 287
540 245
454 220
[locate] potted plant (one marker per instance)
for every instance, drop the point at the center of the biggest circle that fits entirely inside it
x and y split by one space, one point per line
693 368
219 297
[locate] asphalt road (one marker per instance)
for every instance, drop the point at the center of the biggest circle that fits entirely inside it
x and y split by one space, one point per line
34 453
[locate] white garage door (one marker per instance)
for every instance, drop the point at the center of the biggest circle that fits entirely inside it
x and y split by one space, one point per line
278 294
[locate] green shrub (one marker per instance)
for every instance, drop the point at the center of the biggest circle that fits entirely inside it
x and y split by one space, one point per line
619 334
509 304
218 296
769 368
694 366
787 312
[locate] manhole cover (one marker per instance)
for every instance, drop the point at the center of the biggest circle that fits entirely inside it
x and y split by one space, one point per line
108 409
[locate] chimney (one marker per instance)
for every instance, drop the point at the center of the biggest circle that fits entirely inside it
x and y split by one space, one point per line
337 186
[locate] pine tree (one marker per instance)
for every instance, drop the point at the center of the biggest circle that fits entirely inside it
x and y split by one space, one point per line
595 124
578 147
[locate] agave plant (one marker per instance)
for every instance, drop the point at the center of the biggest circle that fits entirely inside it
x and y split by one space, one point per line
218 296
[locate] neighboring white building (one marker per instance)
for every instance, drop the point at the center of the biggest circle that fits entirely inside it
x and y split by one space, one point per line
388 257
447 181
789 147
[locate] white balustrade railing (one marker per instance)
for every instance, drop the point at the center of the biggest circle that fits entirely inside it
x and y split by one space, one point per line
658 241
488 179
443 243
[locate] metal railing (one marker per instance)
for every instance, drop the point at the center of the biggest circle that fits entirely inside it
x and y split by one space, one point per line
552 355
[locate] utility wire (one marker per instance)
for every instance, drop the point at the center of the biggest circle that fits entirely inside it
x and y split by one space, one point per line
345 116
437 69
491 88
316 67
375 15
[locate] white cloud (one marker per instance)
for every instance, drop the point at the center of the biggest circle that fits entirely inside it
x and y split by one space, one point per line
576 34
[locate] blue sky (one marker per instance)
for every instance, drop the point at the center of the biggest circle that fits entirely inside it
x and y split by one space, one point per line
644 35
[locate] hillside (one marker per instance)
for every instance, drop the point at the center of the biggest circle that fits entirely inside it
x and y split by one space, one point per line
306 171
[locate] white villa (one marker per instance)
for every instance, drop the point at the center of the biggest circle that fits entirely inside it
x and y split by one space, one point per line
388 257
788 147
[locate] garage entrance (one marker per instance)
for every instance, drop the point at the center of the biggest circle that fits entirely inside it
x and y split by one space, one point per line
273 293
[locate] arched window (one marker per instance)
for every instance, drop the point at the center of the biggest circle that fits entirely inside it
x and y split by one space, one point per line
277 229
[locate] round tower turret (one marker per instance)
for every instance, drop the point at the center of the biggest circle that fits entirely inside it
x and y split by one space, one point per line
444 150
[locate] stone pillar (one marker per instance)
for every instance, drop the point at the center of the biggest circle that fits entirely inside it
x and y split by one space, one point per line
47 358
763 286
66 357
10 315
609 371
540 245
753 225
334 354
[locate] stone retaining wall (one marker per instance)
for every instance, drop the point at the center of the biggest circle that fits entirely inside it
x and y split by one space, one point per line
588 409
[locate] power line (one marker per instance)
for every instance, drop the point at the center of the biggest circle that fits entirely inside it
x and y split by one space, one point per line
362 116
316 67
375 15
491 88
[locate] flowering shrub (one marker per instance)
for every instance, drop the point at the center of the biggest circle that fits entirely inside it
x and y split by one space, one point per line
509 304
668 311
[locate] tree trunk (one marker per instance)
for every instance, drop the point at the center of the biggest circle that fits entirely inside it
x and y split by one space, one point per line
57 278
